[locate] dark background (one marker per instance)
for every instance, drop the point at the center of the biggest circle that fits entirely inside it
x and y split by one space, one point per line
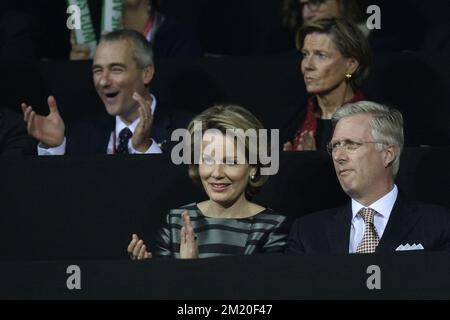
248 27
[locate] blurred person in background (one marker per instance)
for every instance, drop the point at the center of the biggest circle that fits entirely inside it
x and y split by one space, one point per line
168 37
335 62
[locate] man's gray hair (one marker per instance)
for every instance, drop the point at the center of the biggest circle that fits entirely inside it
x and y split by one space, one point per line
386 125
142 50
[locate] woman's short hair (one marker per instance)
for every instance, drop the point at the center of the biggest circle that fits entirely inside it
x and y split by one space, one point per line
386 125
348 39
230 117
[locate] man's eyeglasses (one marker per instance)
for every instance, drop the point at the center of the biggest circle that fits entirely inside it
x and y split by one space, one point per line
347 145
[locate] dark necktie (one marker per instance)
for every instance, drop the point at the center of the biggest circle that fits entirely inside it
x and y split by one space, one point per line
370 239
124 136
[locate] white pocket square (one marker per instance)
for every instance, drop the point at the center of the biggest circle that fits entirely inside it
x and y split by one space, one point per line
408 247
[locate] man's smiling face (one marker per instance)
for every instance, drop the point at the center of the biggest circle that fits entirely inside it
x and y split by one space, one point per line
117 76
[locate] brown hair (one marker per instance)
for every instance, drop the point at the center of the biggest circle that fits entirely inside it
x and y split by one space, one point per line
348 40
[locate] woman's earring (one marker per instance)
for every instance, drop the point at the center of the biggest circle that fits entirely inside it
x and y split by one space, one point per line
252 177
348 76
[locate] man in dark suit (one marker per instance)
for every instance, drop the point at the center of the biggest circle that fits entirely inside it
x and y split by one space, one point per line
14 139
366 147
122 71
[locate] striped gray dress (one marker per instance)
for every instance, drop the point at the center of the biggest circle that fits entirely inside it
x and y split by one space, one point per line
265 232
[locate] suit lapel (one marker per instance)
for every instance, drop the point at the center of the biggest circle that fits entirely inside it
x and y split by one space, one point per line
101 140
401 221
161 127
90 136
338 230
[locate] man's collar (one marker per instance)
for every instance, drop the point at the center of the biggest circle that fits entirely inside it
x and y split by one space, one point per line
383 205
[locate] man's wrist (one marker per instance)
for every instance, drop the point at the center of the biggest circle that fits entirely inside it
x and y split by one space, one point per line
142 148
47 146
44 149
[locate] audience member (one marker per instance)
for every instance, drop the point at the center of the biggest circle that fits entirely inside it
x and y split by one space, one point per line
168 37
336 59
227 223
366 147
122 71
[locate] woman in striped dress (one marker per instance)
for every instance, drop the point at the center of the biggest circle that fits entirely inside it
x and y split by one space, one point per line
230 171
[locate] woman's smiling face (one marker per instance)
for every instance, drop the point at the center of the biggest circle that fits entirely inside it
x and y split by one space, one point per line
223 177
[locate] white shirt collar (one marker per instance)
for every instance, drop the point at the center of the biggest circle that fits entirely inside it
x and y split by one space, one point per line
382 206
121 125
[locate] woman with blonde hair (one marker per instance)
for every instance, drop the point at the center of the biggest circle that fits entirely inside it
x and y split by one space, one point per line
228 223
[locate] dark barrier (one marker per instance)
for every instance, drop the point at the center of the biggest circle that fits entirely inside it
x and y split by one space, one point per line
259 277
56 208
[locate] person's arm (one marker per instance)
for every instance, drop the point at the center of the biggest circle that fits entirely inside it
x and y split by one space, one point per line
49 130
307 142
14 139
141 141
188 239
152 149
55 151
78 51
137 249
294 244
163 240
277 237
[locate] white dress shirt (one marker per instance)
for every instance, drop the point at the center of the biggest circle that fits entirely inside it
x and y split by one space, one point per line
154 148
383 208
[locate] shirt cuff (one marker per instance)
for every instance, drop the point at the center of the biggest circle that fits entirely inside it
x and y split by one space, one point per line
55 151
153 148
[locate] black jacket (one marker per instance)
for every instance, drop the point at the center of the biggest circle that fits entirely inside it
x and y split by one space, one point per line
14 139
92 136
328 231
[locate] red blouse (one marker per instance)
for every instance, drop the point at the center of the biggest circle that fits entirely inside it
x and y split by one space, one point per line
309 122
